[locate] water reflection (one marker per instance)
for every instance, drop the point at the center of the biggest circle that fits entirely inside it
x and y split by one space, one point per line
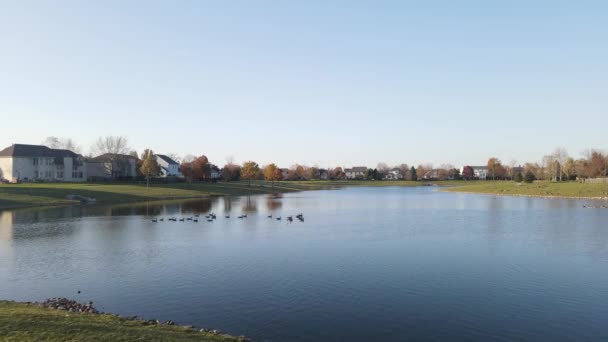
249 205
274 202
364 262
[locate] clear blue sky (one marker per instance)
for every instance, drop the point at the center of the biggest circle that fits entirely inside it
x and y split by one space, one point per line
313 82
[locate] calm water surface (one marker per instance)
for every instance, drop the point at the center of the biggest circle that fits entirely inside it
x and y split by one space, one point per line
367 264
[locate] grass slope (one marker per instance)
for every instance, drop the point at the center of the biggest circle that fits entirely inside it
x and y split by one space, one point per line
539 189
49 194
22 322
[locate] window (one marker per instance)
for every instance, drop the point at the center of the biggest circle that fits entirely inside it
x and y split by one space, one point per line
59 174
35 172
35 161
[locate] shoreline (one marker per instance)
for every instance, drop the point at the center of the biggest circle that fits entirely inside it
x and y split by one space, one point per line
99 204
52 195
455 189
66 318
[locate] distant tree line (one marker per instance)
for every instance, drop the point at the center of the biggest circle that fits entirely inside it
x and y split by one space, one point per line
557 166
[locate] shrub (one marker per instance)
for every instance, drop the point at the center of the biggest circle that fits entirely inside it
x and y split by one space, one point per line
530 177
519 178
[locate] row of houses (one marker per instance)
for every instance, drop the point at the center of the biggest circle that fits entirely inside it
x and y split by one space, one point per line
24 163
359 172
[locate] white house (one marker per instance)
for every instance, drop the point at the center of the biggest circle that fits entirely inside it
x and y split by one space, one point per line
394 174
355 172
479 172
33 163
168 166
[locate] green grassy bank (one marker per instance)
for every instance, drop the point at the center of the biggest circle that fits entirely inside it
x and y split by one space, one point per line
536 189
51 194
29 322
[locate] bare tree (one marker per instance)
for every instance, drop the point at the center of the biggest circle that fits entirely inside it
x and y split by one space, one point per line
382 169
175 157
511 168
115 150
62 144
188 158
111 144
560 155
404 169
551 166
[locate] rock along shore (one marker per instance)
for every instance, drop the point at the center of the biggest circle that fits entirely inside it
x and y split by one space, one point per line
68 305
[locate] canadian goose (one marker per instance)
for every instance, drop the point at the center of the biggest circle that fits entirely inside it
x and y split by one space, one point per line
181 220
279 218
227 216
270 216
154 220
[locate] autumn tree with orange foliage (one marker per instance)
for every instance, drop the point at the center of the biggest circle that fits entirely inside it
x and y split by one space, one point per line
197 170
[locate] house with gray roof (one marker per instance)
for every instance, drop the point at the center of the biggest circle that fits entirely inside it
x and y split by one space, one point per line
111 166
37 163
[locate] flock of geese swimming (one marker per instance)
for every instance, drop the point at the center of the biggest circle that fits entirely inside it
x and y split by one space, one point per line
212 217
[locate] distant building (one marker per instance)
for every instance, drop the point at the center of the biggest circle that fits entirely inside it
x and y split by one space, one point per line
168 166
33 163
479 172
431 175
394 174
111 166
215 173
357 172
284 173
323 174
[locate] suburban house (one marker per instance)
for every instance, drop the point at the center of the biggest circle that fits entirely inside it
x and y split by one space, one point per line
32 163
355 172
394 174
111 166
284 173
168 166
323 174
215 173
479 172
430 175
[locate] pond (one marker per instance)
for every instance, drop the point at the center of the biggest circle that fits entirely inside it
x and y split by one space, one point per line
365 264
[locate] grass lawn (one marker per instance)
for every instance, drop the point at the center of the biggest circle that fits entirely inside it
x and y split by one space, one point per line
541 189
49 194
22 322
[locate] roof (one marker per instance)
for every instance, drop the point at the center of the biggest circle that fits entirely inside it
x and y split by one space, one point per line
167 159
22 150
356 169
107 157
